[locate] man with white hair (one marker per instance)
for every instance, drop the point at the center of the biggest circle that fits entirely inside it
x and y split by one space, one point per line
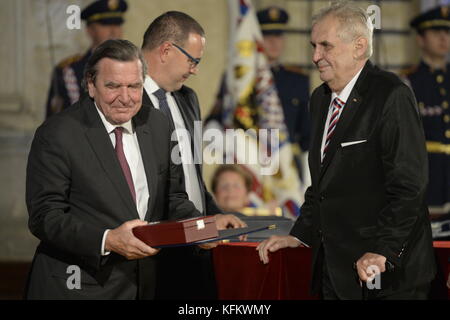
364 215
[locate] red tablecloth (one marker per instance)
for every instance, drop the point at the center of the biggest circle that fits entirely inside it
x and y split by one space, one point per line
241 275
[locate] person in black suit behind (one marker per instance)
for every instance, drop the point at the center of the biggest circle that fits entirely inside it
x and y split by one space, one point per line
365 214
173 45
94 172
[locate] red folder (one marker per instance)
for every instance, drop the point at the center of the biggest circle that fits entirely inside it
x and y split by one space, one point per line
179 232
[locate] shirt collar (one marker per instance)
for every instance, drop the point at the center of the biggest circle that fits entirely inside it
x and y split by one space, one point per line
345 93
150 85
128 126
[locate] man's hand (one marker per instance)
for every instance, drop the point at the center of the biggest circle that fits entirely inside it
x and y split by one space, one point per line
365 265
209 245
225 221
275 243
122 241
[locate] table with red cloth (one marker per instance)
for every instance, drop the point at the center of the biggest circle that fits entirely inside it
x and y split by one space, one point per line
242 276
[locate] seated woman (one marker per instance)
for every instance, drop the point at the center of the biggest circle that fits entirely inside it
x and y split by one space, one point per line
232 185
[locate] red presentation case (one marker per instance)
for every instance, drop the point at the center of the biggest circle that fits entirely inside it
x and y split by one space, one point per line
179 232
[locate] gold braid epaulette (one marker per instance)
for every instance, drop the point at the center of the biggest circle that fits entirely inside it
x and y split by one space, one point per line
67 61
407 71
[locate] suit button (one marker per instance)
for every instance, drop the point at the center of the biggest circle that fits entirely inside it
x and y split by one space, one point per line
322 198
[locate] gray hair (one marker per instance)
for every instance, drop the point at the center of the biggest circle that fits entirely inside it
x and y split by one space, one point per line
117 49
354 22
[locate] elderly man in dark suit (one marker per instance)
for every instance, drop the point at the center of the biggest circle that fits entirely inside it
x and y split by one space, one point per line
94 172
365 214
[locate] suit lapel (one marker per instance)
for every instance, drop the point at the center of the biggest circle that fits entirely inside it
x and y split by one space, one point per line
187 113
351 108
146 99
318 135
101 145
147 152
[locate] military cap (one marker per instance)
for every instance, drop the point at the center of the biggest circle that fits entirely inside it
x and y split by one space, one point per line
105 12
273 20
437 18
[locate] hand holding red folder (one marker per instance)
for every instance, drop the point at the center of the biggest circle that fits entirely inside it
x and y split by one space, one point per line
137 239
122 241
193 231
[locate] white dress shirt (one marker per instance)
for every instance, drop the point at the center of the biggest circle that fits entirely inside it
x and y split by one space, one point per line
190 174
134 159
343 95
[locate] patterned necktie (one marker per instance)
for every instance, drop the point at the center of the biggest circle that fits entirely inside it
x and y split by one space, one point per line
118 132
163 105
338 104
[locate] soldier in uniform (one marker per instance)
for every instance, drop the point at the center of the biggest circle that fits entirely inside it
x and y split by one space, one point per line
430 81
104 19
292 84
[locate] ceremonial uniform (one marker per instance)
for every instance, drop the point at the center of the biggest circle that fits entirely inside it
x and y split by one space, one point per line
432 90
291 82
431 87
65 88
293 91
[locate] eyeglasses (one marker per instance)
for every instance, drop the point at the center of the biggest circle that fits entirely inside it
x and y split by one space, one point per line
192 61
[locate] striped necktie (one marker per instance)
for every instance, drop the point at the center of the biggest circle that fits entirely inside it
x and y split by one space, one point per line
338 104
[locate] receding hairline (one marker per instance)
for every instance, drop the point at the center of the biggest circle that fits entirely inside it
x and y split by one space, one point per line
115 50
341 11
175 26
353 22
141 66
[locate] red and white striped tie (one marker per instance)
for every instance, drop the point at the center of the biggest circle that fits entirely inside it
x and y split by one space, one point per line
338 104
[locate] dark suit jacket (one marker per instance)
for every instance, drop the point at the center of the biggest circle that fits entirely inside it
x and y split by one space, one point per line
76 189
195 280
369 197
190 111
